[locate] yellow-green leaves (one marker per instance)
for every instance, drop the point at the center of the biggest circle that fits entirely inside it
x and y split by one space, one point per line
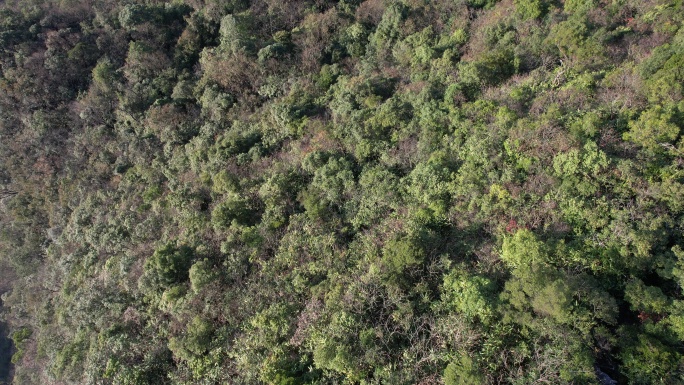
523 249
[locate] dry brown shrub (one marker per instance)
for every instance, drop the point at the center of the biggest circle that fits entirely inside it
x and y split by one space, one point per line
370 11
502 13
318 29
238 74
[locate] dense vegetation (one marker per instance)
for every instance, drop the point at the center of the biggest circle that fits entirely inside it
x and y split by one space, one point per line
343 192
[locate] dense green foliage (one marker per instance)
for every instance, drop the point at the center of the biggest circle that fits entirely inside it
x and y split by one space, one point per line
342 192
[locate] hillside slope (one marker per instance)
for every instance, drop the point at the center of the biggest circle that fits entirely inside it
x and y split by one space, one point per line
343 192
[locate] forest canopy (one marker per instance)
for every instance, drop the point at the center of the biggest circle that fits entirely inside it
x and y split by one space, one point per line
342 192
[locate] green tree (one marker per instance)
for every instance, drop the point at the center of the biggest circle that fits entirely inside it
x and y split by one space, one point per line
201 274
655 130
462 372
170 263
